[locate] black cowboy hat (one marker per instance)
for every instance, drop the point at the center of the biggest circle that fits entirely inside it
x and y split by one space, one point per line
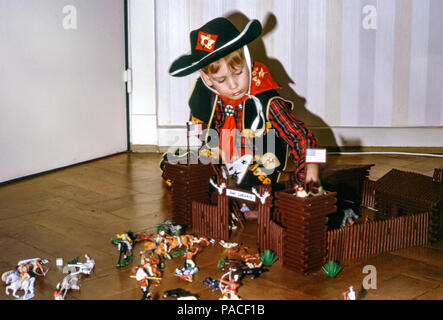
213 41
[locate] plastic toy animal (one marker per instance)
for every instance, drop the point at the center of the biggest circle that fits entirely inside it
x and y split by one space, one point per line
179 241
157 248
180 294
15 282
33 265
69 282
255 272
85 268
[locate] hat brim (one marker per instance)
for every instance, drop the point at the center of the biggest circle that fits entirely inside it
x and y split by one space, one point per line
187 64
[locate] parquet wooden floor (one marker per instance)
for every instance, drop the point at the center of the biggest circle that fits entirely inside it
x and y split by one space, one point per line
76 210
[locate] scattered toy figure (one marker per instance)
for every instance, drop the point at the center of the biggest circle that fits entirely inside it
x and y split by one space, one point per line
248 214
234 273
150 265
189 255
69 282
300 191
124 242
233 222
169 226
180 294
162 239
255 272
349 217
250 258
227 245
155 247
85 268
186 273
23 277
15 282
229 289
350 294
142 279
179 241
211 283
33 265
199 240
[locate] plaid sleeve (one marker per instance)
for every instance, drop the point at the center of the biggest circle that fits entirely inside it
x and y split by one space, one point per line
294 132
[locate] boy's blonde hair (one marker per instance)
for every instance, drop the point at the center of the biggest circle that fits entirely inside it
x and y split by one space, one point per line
235 60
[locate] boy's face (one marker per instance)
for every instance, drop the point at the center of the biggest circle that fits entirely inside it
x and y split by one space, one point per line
231 84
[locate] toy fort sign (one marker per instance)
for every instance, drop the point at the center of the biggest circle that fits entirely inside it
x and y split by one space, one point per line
240 195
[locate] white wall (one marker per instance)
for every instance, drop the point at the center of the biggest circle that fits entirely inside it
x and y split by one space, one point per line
62 95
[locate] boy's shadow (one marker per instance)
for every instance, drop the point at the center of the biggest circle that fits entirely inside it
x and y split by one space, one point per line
325 136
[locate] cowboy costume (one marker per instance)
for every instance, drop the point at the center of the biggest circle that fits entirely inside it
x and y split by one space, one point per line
258 111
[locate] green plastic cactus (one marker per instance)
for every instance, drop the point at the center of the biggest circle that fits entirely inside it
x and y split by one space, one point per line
268 257
331 269
221 262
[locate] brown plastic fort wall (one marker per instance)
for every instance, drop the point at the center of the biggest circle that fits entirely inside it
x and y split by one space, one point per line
276 234
305 229
377 237
400 193
211 221
264 220
368 193
189 183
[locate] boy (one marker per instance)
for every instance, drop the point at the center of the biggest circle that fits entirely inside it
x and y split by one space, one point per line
238 99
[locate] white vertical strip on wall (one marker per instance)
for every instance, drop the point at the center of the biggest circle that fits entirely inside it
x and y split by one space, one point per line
299 55
366 79
349 92
402 58
172 42
333 62
384 63
280 47
195 17
316 57
435 64
419 62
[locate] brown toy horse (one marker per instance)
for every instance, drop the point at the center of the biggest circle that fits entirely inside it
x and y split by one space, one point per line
179 241
157 248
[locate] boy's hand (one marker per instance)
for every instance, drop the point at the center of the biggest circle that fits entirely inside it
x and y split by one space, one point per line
312 173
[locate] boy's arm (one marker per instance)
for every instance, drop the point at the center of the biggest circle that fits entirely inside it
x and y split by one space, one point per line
298 137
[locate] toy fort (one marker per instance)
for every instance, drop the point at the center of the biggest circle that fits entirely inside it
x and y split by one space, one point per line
400 210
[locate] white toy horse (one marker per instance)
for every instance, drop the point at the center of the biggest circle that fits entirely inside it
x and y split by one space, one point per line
14 283
69 283
85 268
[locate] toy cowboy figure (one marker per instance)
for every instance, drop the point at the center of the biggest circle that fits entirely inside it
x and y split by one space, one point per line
150 265
349 295
142 279
189 263
162 238
230 290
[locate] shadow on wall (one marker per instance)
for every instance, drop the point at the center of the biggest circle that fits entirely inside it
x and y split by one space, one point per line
325 137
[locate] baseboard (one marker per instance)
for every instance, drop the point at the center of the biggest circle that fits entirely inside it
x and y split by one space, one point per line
144 148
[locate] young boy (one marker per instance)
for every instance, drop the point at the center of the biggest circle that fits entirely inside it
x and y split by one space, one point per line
237 98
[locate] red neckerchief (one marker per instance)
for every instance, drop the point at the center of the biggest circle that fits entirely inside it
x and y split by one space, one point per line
261 81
